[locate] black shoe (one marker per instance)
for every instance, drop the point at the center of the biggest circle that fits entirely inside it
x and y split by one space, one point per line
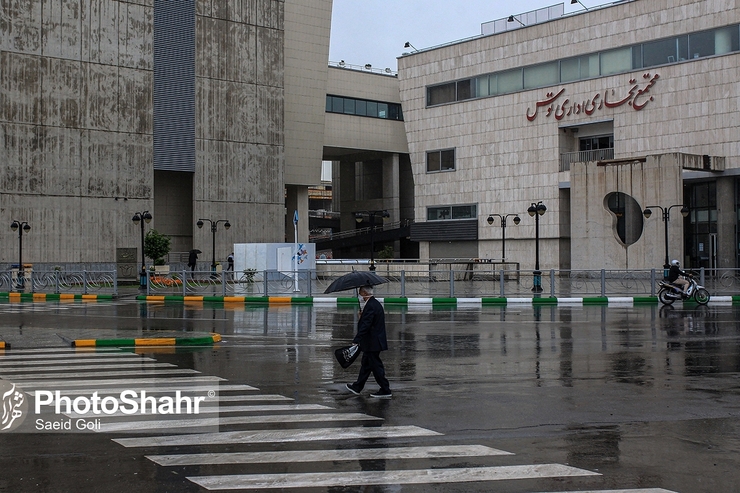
352 389
382 394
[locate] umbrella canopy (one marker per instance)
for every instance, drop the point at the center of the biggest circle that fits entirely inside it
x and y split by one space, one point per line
196 251
355 279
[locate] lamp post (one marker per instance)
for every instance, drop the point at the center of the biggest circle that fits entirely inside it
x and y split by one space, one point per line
359 217
536 210
666 212
490 220
21 227
141 218
214 228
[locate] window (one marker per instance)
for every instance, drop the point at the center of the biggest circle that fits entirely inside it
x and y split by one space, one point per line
620 60
446 212
361 107
441 94
443 160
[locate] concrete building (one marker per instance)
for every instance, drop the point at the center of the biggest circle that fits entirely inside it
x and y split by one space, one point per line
598 115
225 110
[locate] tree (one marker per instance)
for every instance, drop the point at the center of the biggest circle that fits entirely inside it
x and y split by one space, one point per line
156 246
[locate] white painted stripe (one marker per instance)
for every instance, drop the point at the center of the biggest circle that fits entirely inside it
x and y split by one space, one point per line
519 300
720 299
94 373
570 301
252 397
85 361
184 389
419 301
620 301
638 490
327 301
210 407
124 382
122 426
469 301
274 436
326 455
83 366
15 356
366 478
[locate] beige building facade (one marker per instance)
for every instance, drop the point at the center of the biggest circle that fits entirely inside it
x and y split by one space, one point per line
598 115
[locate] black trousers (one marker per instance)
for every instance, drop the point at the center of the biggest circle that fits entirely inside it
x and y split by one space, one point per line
371 363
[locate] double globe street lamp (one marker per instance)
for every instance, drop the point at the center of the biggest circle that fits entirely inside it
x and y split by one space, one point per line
490 221
666 212
141 218
214 228
21 227
536 210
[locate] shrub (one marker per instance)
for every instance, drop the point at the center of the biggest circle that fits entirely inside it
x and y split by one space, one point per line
156 246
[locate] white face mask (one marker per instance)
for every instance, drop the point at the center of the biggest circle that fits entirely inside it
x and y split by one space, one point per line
362 301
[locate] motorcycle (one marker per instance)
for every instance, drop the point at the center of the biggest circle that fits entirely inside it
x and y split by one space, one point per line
669 293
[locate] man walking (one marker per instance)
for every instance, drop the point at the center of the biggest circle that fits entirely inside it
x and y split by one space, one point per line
372 340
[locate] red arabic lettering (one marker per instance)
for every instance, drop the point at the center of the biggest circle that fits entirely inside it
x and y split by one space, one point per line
551 97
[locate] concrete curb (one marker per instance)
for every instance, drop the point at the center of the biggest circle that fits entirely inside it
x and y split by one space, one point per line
326 301
54 297
149 341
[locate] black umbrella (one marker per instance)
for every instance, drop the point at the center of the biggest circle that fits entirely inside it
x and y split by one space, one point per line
355 279
196 251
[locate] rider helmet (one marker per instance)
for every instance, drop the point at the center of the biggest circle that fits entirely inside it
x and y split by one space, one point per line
675 262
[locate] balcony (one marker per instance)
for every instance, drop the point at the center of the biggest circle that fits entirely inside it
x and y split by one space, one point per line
568 158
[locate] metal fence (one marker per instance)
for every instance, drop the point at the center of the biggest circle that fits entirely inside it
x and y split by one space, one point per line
435 282
59 281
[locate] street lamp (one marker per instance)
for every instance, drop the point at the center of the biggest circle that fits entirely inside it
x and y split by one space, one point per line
214 228
536 210
21 227
359 216
666 211
141 218
517 220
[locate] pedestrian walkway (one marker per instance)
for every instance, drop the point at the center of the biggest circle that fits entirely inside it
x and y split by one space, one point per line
265 432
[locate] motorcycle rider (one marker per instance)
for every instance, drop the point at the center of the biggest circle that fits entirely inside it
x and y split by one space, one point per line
676 276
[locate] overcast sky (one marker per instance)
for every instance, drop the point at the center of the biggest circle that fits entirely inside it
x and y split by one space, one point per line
374 31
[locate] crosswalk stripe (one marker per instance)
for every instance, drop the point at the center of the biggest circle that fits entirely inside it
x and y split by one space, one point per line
252 397
94 373
211 409
264 436
99 366
364 478
71 355
431 452
185 390
124 382
232 420
86 361
638 490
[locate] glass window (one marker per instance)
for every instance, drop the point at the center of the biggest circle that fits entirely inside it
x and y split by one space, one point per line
372 108
659 52
441 94
509 81
464 212
616 61
361 108
337 104
541 75
570 69
382 110
438 213
328 104
465 89
481 86
701 44
394 112
590 66
349 106
447 161
441 160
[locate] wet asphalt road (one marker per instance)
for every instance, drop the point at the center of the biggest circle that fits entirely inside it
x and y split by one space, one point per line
643 396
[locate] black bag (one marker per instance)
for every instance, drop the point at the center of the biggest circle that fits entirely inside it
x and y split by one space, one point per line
347 355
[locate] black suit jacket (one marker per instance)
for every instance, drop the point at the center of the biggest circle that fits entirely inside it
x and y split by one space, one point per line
371 328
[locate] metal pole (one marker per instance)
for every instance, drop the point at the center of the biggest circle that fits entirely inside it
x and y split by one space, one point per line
666 213
143 258
537 281
372 241
22 278
213 253
503 239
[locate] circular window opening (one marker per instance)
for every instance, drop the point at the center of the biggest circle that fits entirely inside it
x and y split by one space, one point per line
627 217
